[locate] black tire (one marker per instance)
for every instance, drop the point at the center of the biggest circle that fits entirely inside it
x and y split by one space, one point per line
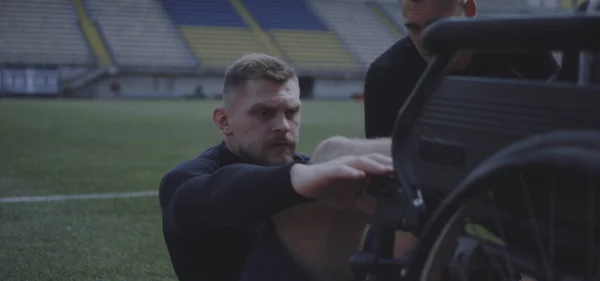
583 153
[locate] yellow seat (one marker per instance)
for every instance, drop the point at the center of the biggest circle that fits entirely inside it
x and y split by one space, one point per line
314 50
218 47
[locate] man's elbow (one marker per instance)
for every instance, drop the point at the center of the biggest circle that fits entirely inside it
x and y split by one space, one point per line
168 186
179 201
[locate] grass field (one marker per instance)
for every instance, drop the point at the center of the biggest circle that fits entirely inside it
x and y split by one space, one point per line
59 147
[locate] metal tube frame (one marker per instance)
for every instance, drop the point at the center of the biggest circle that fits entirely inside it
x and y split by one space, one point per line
400 205
586 57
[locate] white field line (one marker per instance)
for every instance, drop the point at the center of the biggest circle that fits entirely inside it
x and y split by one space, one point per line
28 199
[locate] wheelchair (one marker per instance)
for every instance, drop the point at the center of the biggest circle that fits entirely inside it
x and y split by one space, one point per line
496 177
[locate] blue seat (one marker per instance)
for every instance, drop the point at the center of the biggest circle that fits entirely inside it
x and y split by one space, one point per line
203 13
284 14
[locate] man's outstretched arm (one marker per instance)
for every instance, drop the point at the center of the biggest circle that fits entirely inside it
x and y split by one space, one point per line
323 238
340 146
199 194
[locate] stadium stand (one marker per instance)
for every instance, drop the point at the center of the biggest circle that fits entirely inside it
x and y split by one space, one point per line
171 47
41 32
140 34
395 25
393 11
495 7
214 30
570 4
359 27
304 40
91 32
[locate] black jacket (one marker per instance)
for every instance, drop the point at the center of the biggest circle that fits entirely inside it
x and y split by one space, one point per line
214 206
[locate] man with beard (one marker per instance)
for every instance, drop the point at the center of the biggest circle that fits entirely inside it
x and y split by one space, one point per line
215 205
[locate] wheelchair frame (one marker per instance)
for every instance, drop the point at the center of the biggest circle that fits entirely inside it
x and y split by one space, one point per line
401 205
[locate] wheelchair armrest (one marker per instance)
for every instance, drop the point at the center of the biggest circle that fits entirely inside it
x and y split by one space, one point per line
517 33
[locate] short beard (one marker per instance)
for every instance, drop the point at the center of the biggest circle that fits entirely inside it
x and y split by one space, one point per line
252 159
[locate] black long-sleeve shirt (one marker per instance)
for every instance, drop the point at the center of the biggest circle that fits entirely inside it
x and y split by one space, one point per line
213 208
392 76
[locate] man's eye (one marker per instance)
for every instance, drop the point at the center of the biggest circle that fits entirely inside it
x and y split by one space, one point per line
264 113
291 113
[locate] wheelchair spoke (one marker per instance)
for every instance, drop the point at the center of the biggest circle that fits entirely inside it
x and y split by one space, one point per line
511 271
495 262
552 243
591 247
490 236
536 231
463 274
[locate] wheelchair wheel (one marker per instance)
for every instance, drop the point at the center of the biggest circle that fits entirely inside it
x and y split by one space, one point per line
528 215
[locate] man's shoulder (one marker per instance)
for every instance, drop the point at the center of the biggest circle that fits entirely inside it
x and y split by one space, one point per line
203 164
395 55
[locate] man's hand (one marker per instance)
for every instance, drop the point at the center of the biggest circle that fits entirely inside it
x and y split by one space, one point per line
341 181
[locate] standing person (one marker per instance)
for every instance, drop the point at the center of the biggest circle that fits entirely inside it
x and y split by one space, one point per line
393 75
215 205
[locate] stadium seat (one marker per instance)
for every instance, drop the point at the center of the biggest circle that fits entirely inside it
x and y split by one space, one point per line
214 31
140 34
393 11
203 13
315 51
41 32
217 47
358 26
303 38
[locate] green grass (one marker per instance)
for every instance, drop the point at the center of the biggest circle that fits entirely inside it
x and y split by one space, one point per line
78 147
58 147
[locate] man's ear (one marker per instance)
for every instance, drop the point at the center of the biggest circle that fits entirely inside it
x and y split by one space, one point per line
470 8
221 119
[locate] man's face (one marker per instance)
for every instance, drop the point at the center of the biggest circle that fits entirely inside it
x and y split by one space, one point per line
264 122
419 15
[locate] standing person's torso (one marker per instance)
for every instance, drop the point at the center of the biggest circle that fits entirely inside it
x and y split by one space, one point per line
395 73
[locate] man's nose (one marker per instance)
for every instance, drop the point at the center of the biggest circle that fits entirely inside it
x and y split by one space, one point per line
282 125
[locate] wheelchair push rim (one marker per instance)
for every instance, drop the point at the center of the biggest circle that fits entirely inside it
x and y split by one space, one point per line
523 239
